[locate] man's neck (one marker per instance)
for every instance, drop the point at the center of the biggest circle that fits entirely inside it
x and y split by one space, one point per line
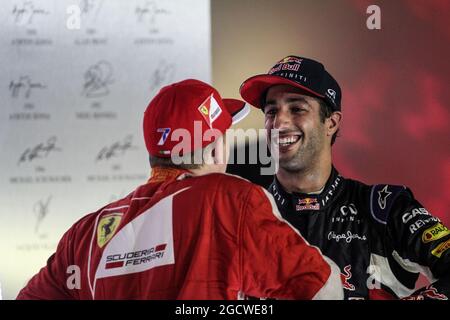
207 169
305 181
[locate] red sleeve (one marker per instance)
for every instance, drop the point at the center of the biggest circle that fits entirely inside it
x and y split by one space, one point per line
51 281
275 260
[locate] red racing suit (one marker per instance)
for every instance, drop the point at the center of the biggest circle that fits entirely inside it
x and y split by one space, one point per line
181 237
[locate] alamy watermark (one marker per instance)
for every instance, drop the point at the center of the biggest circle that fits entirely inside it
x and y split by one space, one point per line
230 149
373 21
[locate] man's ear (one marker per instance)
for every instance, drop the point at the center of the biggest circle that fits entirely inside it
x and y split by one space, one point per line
334 122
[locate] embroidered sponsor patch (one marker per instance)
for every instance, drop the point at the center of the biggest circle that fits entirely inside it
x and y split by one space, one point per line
440 249
288 64
345 277
345 237
382 198
210 110
307 204
144 243
414 212
164 134
430 293
135 257
383 195
107 227
436 232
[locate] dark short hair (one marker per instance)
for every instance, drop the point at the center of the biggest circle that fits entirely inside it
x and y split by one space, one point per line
325 112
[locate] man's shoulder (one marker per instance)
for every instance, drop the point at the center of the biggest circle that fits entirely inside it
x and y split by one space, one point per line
223 185
392 189
381 197
113 209
226 180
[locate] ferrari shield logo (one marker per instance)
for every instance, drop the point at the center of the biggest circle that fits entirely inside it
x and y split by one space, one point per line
210 110
107 227
203 109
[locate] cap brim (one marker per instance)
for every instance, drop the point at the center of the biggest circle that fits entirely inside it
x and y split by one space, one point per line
254 87
238 109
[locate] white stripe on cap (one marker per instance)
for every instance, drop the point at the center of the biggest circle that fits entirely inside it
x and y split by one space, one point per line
241 114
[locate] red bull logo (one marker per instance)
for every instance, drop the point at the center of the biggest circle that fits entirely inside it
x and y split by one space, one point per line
307 201
291 59
290 67
345 277
288 63
307 204
432 293
275 69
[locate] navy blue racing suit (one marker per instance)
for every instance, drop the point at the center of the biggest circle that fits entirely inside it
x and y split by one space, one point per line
380 236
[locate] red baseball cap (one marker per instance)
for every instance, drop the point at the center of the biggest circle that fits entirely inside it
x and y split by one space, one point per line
180 106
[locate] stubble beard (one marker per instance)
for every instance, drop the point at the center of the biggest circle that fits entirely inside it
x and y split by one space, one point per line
306 155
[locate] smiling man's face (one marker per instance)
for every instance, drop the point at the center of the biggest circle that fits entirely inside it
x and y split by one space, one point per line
303 136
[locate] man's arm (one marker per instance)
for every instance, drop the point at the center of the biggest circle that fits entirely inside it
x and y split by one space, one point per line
276 261
50 282
422 243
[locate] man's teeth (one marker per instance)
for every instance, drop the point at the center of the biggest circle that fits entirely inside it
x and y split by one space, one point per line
288 140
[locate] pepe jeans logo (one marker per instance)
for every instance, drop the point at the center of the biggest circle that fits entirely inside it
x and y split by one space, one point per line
346 237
